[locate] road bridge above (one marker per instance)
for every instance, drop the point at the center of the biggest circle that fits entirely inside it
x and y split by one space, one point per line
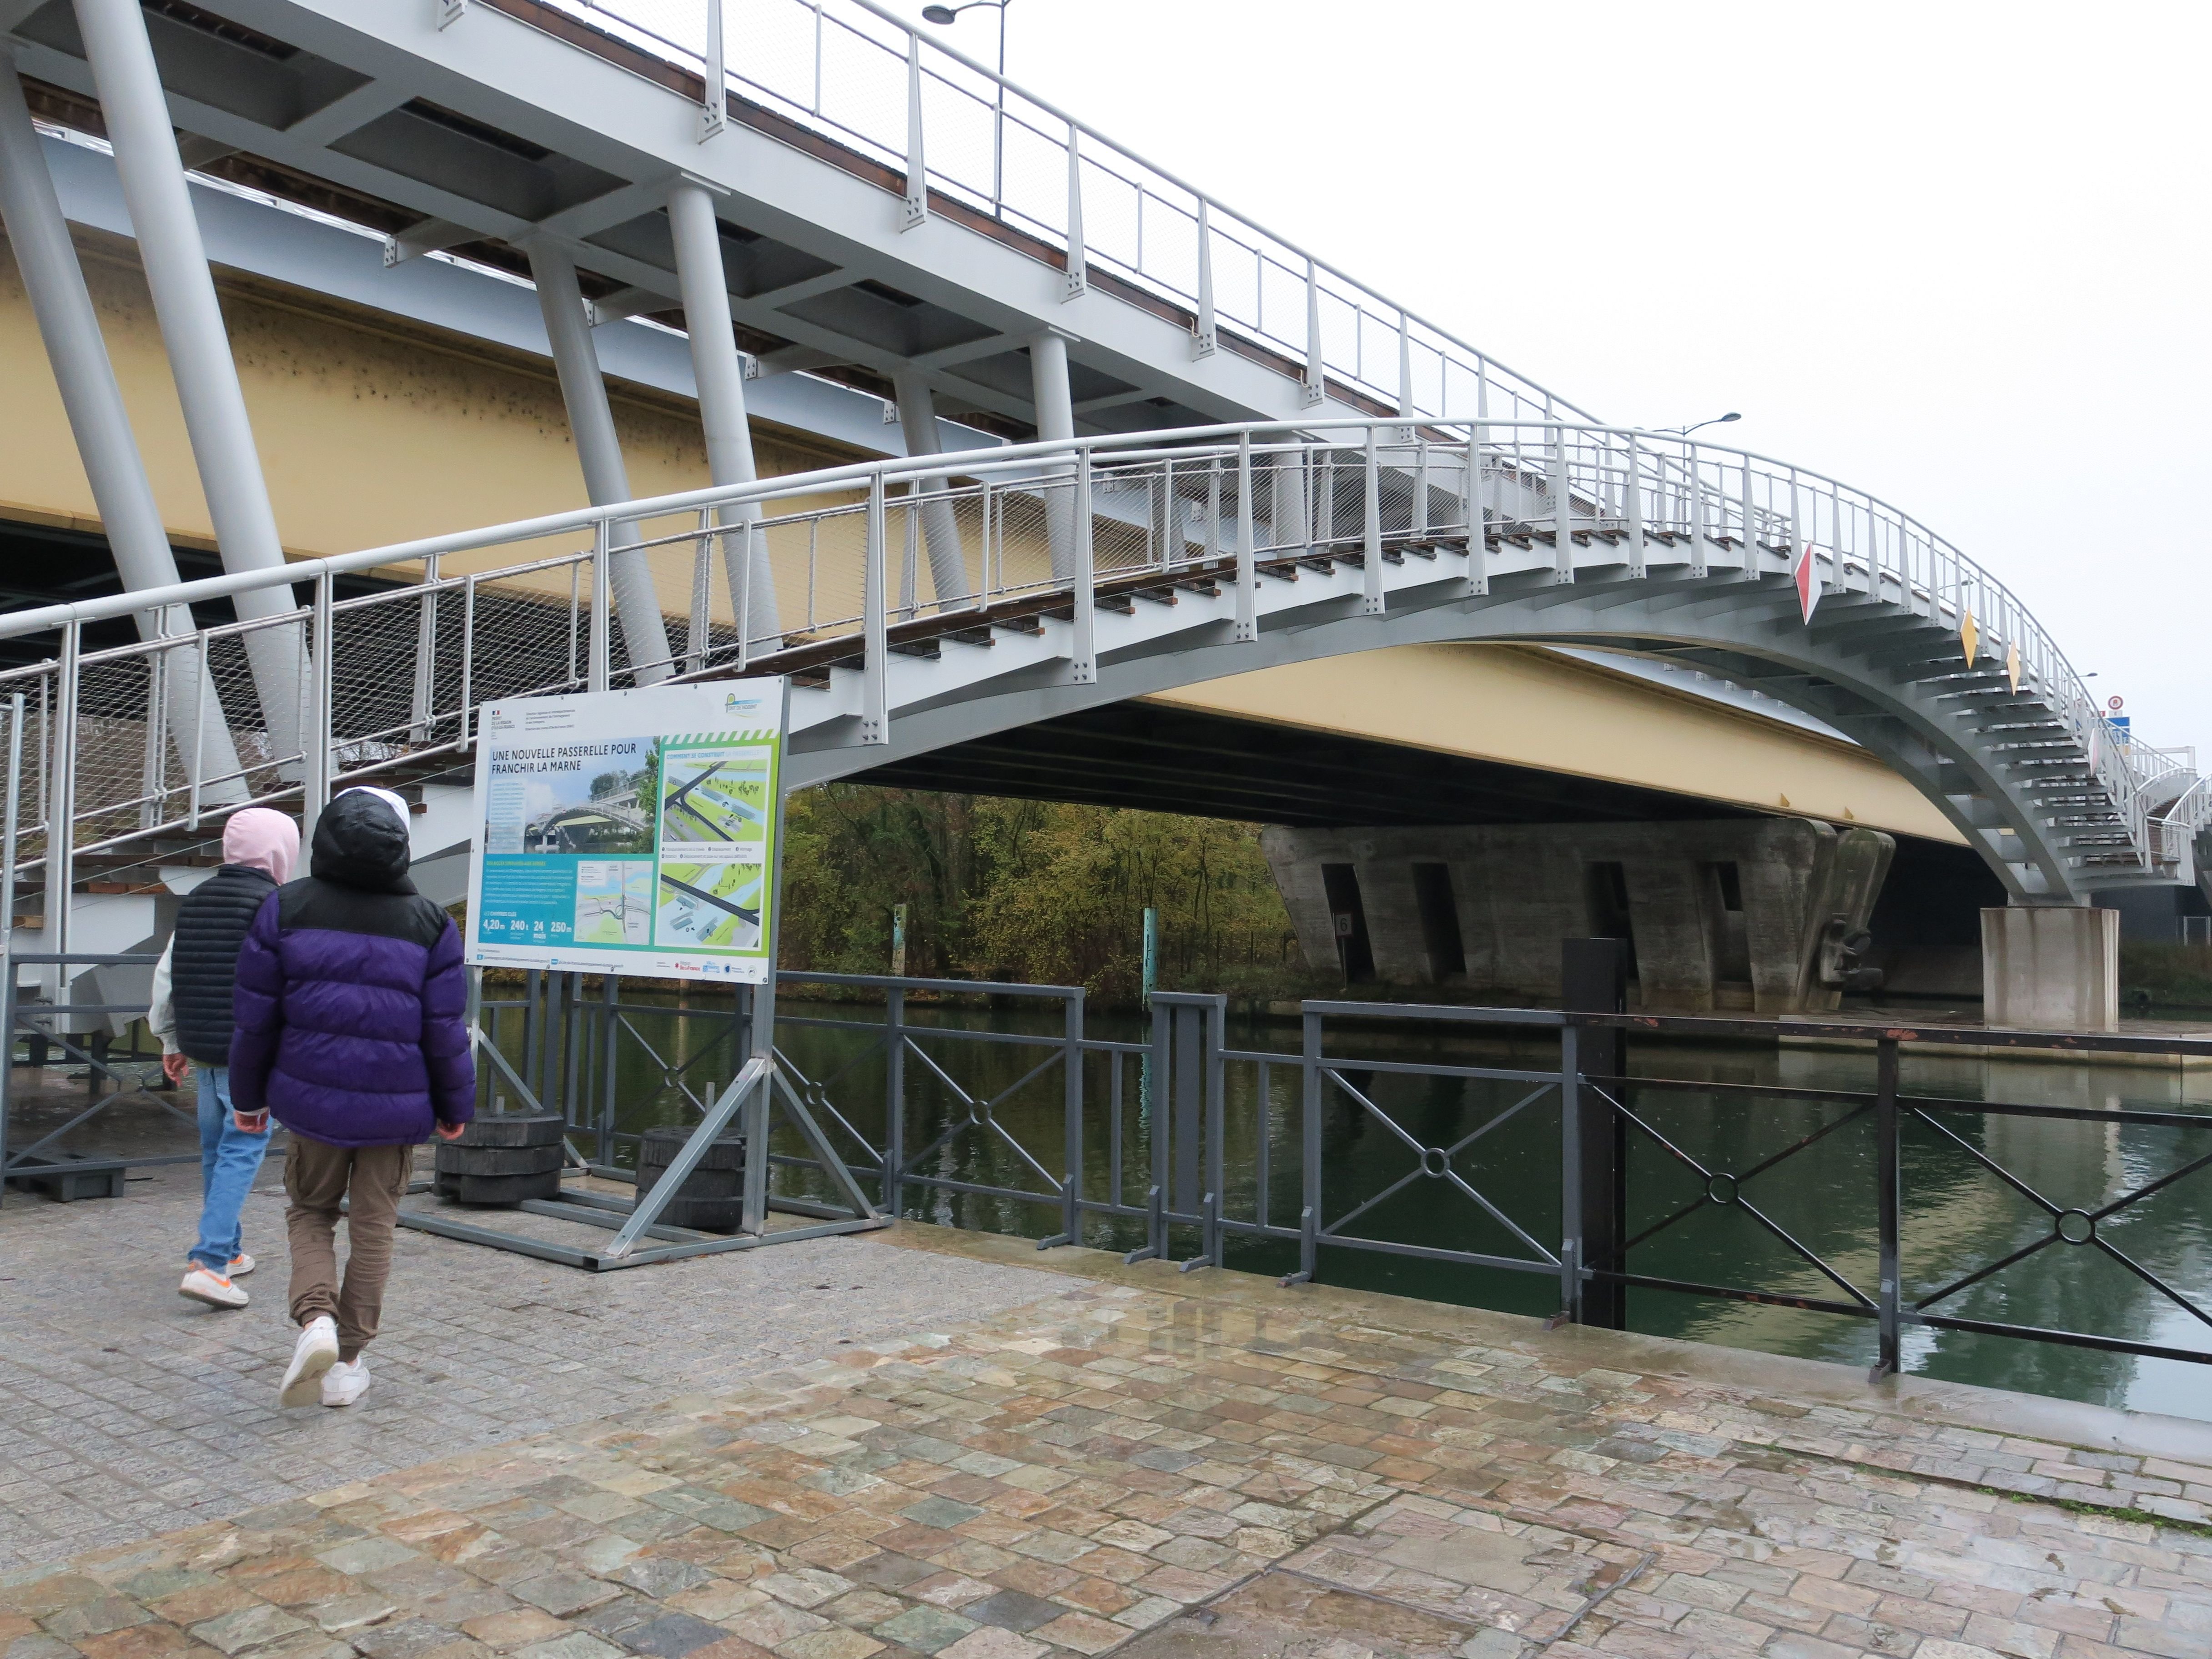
1217 457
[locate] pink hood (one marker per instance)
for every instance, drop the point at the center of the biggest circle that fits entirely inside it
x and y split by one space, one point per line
266 840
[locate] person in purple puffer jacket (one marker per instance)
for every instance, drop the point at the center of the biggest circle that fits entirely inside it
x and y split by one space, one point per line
350 1025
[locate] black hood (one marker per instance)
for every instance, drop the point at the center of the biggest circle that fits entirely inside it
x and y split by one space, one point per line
361 843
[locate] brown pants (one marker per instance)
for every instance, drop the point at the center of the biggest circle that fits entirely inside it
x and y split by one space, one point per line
372 1180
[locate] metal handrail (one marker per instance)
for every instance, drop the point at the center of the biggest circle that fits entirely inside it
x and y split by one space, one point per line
1570 478
918 59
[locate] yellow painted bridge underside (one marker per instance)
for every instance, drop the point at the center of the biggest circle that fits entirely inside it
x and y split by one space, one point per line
373 430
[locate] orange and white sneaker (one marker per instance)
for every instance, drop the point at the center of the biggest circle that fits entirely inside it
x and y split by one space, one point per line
240 1265
202 1284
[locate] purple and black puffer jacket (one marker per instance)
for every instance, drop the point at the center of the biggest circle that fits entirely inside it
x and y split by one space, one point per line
350 1014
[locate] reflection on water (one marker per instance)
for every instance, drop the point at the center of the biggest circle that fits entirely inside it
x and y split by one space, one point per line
1959 1214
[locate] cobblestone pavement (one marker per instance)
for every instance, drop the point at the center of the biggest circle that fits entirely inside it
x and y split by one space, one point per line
1181 1468
129 1411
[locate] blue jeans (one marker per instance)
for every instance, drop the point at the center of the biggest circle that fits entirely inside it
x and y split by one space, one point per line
229 1159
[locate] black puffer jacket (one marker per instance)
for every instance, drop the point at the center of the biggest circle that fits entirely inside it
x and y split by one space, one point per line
211 923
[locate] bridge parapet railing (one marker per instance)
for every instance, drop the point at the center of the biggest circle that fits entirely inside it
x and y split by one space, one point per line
846 567
888 94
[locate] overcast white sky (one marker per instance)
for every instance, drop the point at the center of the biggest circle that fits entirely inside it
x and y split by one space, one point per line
1954 251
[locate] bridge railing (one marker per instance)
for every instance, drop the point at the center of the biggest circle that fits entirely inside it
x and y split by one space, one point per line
851 73
848 567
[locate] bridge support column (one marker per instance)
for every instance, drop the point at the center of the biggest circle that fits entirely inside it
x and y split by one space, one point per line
199 345
2050 968
606 480
940 528
721 381
1055 417
128 514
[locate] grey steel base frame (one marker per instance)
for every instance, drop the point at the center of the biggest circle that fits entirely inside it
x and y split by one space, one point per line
754 1093
601 1210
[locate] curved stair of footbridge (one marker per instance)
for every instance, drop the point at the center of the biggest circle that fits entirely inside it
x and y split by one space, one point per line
921 603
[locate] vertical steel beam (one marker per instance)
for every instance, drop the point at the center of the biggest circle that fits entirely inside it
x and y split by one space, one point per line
1372 573
1071 1049
894 1182
1316 381
1563 509
1079 280
91 399
1572 1220
719 375
1248 577
61 809
1083 666
606 479
940 526
1204 339
598 661
1309 1154
1695 490
875 642
315 775
916 211
1594 979
713 88
1406 372
159 200
1056 419
1888 1205
1634 503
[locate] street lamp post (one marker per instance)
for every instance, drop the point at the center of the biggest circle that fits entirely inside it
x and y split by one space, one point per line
943 15
1717 419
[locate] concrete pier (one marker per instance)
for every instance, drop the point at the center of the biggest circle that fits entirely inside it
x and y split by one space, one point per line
2050 968
1760 914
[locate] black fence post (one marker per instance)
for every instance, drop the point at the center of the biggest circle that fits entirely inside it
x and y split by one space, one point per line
1594 978
1887 1196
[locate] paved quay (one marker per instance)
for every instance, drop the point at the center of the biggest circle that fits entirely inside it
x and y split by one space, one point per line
1182 1467
128 1411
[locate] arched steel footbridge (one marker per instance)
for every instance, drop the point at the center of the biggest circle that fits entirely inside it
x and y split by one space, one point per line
1221 453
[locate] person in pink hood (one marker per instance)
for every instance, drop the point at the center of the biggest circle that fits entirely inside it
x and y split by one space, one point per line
191 1013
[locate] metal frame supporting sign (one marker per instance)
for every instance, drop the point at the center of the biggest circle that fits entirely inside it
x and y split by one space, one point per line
639 833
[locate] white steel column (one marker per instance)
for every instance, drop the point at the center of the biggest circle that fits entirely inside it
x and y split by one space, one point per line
128 514
199 345
1055 418
940 528
606 480
720 376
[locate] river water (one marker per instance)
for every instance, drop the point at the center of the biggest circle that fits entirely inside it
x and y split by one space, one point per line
1959 1215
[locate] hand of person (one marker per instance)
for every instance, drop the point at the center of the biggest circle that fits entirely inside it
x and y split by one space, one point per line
451 1130
250 1123
176 1067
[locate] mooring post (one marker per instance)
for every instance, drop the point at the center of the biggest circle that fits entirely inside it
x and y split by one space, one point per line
1593 980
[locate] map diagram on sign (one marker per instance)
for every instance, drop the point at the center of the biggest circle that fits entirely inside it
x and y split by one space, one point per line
715 798
710 906
614 901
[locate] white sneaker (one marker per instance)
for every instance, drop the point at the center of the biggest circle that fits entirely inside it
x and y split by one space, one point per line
314 1353
202 1284
342 1384
240 1265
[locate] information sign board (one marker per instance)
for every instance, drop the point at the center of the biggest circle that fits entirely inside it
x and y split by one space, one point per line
630 832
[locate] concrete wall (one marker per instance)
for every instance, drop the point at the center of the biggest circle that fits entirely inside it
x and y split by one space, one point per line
1723 915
